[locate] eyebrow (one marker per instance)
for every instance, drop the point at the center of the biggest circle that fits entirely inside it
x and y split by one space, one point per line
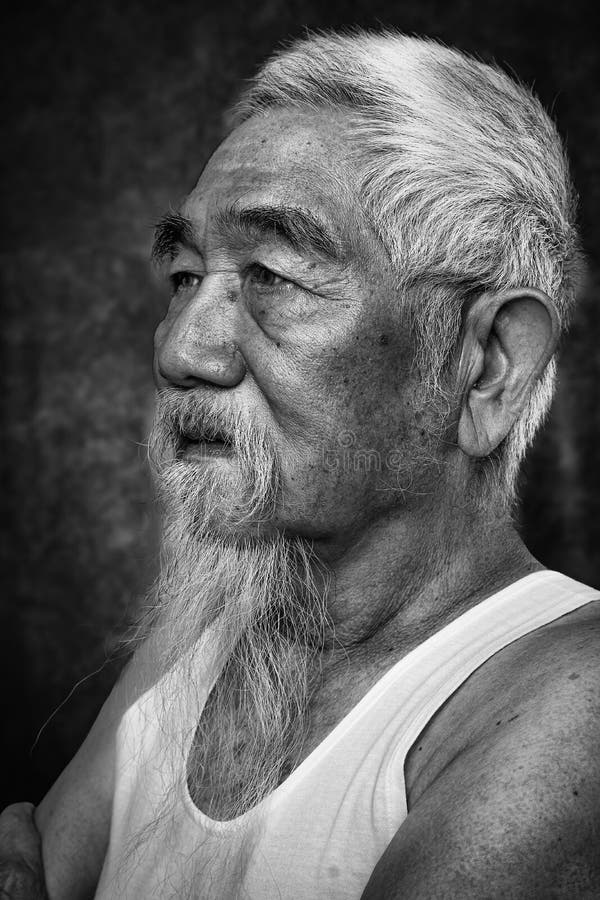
297 227
172 232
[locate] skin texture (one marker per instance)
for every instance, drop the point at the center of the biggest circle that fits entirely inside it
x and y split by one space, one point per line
316 351
308 356
21 867
505 787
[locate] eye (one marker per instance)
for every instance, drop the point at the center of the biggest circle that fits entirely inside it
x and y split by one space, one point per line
184 281
263 277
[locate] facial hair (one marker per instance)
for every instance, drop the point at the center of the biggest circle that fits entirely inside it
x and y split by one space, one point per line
229 573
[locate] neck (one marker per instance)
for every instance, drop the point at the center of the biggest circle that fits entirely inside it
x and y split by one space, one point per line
407 576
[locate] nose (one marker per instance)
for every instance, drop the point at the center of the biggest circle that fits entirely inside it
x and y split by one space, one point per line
195 345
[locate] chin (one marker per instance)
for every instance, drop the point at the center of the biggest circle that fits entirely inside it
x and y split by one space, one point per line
210 496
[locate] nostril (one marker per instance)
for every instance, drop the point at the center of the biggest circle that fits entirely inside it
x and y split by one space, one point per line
175 365
222 365
168 377
224 368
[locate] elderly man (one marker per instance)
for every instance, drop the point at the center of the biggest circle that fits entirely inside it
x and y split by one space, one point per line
353 681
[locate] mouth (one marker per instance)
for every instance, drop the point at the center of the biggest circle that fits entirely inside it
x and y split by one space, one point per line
203 443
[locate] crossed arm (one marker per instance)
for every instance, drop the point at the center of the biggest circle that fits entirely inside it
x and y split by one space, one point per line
57 850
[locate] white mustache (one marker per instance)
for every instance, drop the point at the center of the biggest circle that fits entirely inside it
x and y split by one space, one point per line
246 492
194 416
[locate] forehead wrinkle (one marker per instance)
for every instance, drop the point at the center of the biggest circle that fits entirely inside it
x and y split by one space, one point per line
298 227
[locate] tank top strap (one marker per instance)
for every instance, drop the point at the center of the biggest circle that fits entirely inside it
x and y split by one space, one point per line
429 675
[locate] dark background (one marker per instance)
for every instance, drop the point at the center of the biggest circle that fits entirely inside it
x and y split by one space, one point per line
110 111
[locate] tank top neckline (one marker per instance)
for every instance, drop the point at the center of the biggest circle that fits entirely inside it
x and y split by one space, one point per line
443 635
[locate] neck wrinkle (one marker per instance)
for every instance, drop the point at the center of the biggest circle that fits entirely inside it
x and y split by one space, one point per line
412 575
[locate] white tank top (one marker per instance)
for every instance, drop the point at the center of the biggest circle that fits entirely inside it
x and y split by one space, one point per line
319 835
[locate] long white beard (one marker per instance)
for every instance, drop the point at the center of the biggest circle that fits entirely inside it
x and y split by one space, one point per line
261 593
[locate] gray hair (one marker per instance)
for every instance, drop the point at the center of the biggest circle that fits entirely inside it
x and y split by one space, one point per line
464 178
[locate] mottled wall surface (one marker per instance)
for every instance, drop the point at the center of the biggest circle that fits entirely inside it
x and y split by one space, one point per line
112 108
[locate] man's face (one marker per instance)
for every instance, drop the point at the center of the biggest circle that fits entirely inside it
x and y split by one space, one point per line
293 322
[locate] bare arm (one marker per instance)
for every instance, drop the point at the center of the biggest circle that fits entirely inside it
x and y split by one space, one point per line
74 817
516 814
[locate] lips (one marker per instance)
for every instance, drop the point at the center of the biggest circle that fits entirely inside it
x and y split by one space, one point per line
203 442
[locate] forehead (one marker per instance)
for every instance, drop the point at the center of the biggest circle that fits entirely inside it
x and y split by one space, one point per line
283 157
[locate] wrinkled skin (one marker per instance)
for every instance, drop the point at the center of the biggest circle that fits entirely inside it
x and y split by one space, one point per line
317 354
314 350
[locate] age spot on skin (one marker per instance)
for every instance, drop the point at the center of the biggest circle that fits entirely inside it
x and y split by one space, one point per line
574 676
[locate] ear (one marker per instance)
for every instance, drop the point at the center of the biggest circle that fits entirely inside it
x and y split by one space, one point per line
508 339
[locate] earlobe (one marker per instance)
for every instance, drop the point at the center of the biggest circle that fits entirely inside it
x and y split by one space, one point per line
508 339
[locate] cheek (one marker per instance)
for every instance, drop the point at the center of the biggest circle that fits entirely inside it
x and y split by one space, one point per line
297 366
285 319
364 375
374 390
320 490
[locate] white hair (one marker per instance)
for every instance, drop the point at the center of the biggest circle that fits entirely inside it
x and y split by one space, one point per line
463 177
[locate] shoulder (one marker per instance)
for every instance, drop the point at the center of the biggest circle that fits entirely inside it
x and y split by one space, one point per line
507 800
546 683
546 679
537 705
554 667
